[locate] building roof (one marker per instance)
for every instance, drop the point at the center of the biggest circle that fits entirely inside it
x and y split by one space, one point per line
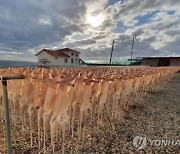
67 50
59 52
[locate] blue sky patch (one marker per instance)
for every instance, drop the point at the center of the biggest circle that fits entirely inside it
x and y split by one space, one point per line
120 28
145 18
171 12
112 2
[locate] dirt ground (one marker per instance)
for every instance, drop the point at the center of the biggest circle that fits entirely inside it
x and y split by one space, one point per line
156 117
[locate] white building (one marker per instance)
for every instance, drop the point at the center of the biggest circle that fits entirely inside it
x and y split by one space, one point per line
60 57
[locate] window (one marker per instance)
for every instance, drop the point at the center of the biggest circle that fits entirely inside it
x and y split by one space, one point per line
76 61
72 60
65 60
76 55
72 54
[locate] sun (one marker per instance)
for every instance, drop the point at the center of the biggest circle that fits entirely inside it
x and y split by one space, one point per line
95 21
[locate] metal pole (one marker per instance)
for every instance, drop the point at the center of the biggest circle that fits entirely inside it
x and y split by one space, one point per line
111 52
12 77
6 114
6 108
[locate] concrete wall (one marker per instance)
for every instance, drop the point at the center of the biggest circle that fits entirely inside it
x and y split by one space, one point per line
150 62
57 61
175 62
161 62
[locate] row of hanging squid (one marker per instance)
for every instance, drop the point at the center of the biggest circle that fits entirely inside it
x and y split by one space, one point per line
55 98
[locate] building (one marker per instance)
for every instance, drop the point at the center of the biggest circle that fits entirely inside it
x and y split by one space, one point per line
161 61
60 57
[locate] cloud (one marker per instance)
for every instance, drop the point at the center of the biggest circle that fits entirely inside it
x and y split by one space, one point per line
85 42
28 26
30 23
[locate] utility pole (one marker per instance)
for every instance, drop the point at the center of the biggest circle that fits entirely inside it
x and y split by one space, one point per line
111 53
134 37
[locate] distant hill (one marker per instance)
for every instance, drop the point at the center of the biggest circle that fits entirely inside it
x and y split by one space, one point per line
6 63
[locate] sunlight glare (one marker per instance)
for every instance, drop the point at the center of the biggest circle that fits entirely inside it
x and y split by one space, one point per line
95 21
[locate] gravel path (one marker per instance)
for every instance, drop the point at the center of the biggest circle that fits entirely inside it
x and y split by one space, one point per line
157 117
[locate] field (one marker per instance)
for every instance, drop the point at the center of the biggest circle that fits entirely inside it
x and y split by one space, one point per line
127 102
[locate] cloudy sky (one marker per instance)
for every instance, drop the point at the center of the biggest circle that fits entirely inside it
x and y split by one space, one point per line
89 26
